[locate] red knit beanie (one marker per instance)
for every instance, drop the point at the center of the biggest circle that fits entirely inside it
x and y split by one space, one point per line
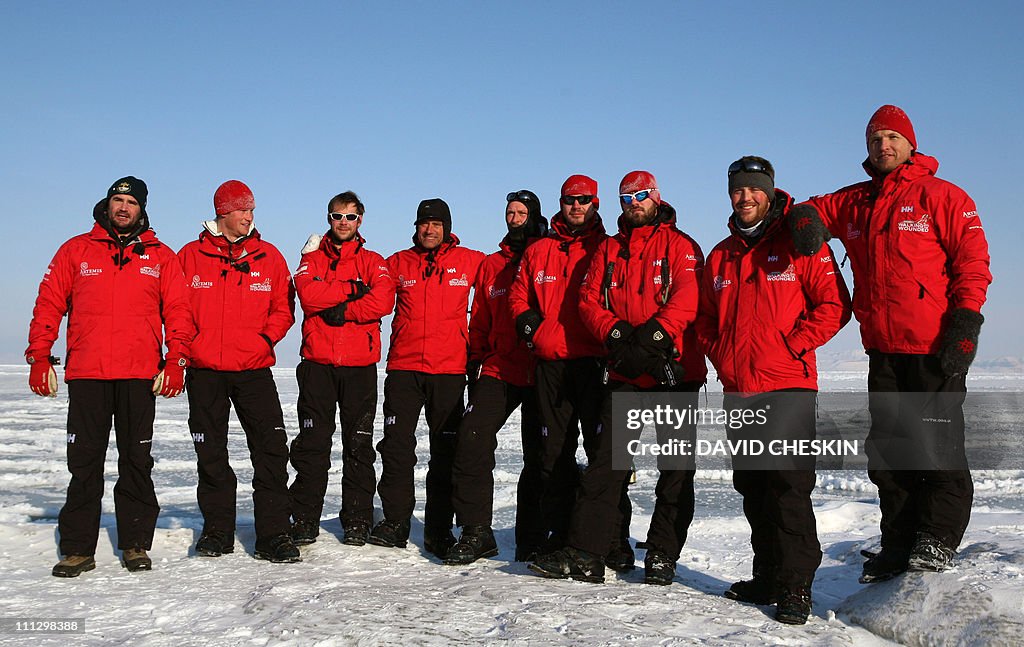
581 185
233 196
890 117
638 181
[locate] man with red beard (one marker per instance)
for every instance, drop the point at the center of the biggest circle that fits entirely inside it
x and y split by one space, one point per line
764 310
344 290
243 304
640 296
501 378
426 369
545 302
920 273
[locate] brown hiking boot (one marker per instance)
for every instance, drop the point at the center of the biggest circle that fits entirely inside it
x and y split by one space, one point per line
74 565
136 559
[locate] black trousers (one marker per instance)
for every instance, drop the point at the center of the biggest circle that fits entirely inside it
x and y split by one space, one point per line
323 391
777 502
491 402
406 393
92 405
917 419
601 488
571 391
211 394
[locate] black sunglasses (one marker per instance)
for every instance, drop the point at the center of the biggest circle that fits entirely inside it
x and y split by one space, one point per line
568 200
343 216
750 166
519 196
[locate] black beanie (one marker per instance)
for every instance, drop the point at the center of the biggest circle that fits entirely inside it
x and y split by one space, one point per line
132 186
435 209
754 172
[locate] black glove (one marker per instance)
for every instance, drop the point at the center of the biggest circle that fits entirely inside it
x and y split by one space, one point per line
808 231
670 373
526 326
960 342
335 315
652 339
359 290
472 373
619 346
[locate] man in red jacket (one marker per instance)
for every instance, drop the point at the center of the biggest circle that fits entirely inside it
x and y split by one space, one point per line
501 378
119 286
764 309
545 303
344 290
921 273
426 368
243 303
639 296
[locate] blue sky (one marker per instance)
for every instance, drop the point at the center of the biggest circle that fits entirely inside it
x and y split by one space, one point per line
402 101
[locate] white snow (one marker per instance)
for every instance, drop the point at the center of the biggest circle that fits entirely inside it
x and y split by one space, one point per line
340 595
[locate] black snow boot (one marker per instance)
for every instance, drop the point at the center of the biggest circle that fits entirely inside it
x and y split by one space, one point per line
621 557
356 534
930 554
759 590
885 565
438 542
215 543
279 549
794 605
659 568
305 532
390 534
476 542
570 562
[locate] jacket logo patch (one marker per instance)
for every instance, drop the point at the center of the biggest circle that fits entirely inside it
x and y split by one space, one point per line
907 209
263 286
970 214
920 225
151 271
773 259
825 259
199 284
493 292
254 275
544 278
406 283
462 281
144 257
85 270
720 283
789 274
851 232
451 270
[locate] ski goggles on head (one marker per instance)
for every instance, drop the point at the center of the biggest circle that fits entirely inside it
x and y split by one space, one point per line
639 196
750 166
568 200
519 196
343 216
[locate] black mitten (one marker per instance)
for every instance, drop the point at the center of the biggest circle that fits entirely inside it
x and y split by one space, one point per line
335 315
807 229
960 342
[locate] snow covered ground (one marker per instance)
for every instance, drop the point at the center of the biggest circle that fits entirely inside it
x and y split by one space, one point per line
340 595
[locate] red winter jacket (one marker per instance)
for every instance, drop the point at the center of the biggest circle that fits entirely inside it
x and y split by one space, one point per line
117 301
549 281
240 293
917 249
430 331
325 278
492 329
656 273
764 308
